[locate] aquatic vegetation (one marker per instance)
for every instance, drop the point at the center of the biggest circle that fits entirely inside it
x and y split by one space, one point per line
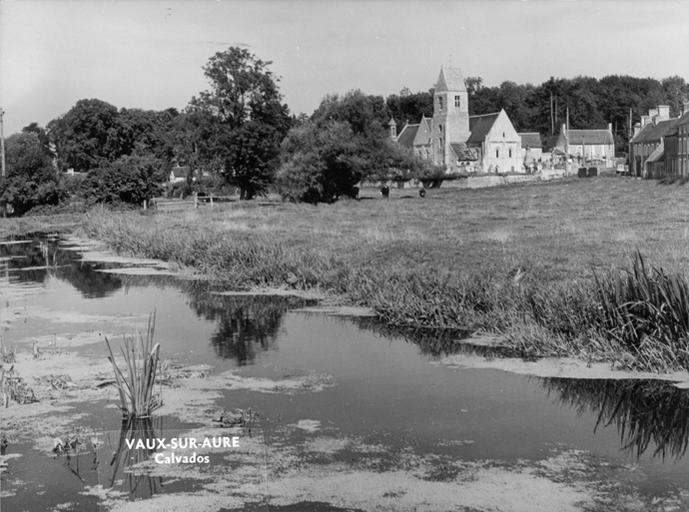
13 387
647 311
141 363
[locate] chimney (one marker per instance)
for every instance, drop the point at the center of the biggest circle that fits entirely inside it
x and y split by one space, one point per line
645 120
663 112
685 106
637 129
563 130
610 127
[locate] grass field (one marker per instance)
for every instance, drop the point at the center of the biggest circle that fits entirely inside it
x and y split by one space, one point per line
517 260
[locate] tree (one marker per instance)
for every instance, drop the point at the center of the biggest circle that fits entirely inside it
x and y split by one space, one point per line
31 178
243 119
130 179
87 135
345 142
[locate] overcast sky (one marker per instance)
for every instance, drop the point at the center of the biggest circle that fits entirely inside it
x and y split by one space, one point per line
149 54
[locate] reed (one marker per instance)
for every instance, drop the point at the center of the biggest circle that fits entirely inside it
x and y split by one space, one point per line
646 310
141 364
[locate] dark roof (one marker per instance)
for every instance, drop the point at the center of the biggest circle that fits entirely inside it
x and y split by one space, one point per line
180 172
480 126
407 135
531 140
464 153
589 137
653 132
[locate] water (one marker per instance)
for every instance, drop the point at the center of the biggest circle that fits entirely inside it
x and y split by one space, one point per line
388 389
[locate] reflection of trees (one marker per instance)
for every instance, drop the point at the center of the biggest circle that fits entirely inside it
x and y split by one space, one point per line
246 324
431 341
644 411
60 263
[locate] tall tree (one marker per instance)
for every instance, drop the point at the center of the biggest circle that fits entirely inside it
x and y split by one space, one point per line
244 120
87 135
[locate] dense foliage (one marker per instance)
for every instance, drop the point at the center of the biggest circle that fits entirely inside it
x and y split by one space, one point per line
344 142
130 179
31 179
242 120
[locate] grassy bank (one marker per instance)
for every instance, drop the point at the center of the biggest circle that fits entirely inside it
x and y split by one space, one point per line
19 226
517 260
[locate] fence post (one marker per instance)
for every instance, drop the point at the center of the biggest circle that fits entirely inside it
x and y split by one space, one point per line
211 200
196 200
144 204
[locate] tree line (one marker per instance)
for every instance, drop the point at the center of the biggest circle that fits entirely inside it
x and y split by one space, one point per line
239 135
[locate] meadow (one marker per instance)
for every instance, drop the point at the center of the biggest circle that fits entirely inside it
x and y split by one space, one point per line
537 264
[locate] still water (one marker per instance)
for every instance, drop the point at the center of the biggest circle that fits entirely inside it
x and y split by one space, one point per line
389 388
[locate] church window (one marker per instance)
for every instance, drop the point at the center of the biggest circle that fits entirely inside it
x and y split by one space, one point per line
497 153
510 151
440 102
457 101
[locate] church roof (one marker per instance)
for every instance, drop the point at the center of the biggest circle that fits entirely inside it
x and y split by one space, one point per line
586 137
464 153
480 126
407 135
450 79
531 140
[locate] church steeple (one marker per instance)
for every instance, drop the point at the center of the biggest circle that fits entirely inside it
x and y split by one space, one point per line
450 114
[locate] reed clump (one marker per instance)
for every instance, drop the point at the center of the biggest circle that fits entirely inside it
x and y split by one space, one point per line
646 310
136 381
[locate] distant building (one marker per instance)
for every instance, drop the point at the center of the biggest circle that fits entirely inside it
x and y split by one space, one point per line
647 146
179 174
459 142
660 146
532 148
587 144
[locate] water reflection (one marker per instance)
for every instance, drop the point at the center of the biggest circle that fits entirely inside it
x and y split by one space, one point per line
43 259
137 484
246 325
648 414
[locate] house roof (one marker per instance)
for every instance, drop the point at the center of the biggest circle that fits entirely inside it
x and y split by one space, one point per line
464 153
531 140
590 137
480 126
450 79
407 135
653 132
180 172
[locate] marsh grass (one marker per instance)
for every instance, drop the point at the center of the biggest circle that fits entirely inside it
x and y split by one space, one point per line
646 309
141 364
519 261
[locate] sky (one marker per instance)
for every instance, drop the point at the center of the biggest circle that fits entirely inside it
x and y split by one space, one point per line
150 54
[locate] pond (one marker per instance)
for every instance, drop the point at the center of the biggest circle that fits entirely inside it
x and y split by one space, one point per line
330 412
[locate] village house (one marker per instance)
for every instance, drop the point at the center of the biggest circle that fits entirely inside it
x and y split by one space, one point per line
660 145
459 142
532 149
586 144
647 157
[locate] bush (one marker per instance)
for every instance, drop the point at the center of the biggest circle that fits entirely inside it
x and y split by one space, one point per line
130 179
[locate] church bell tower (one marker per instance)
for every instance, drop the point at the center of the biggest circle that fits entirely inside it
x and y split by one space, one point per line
450 114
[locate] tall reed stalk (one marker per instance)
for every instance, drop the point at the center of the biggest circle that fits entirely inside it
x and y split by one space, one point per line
141 363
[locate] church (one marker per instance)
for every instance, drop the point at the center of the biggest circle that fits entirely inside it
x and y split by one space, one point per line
462 143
